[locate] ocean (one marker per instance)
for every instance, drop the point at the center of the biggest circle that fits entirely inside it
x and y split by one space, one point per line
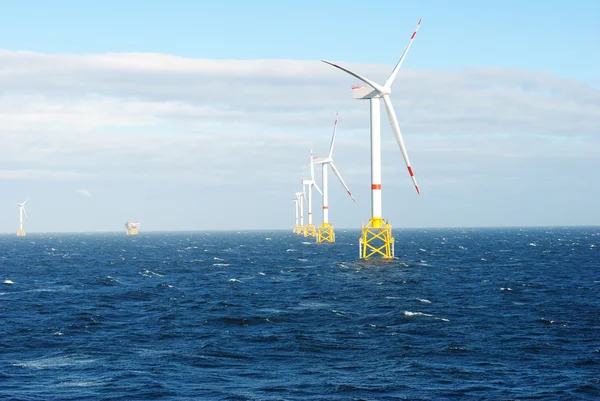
462 314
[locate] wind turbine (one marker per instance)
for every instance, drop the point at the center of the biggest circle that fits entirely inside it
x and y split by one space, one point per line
310 230
300 196
21 232
376 238
296 226
326 232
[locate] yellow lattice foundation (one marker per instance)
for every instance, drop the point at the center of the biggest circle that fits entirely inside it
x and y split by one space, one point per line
376 240
298 229
325 233
20 232
310 231
132 231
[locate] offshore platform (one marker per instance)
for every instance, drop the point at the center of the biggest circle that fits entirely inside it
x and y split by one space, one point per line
132 227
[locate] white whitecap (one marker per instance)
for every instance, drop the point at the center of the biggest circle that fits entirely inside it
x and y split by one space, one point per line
234 280
408 313
75 383
53 362
8 282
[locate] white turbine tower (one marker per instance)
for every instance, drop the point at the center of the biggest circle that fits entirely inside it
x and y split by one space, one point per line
376 238
296 226
300 196
309 230
325 232
21 232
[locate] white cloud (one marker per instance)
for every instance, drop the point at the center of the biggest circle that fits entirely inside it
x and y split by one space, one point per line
162 118
30 174
83 192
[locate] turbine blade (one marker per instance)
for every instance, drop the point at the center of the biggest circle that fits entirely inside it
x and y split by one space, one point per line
25 211
317 187
394 123
339 176
390 80
374 85
333 137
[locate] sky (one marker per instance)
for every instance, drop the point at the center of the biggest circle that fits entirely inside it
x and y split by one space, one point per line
197 115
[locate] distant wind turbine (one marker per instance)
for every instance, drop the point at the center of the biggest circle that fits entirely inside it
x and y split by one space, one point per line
295 200
310 230
300 196
21 232
325 232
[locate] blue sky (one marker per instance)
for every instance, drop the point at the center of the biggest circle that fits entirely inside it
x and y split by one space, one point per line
498 101
548 35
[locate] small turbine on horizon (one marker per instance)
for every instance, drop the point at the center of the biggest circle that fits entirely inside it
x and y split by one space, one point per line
326 232
296 226
21 232
310 230
300 196
376 238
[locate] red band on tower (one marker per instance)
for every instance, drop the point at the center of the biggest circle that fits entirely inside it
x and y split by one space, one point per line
376 186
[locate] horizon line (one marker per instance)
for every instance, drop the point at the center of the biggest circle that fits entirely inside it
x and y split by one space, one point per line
290 230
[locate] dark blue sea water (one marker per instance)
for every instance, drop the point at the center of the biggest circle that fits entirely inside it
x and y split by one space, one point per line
465 314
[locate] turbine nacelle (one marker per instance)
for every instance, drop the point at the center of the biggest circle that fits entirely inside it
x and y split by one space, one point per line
312 183
22 204
364 92
323 160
